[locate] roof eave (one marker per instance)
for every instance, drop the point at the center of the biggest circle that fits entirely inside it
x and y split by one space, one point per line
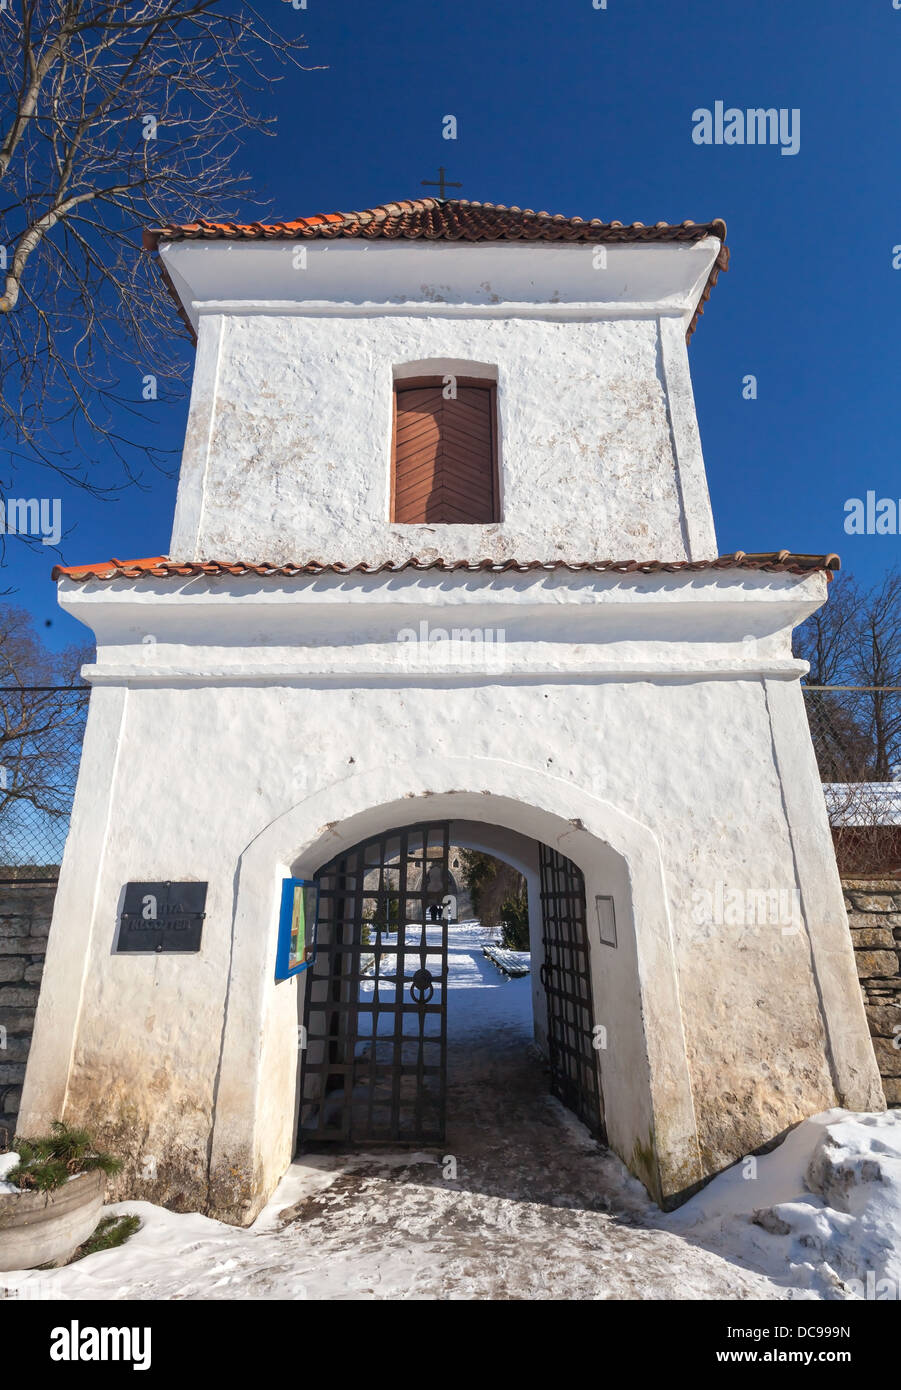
495 224
161 567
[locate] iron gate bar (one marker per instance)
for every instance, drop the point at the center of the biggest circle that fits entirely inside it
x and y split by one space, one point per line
341 1053
566 976
350 1093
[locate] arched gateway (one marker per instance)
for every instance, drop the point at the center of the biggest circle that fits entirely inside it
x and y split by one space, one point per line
443 553
375 1014
503 809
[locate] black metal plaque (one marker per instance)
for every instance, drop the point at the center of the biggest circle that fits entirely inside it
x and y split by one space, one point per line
162 917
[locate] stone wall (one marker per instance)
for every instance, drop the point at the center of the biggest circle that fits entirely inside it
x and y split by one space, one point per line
874 915
25 912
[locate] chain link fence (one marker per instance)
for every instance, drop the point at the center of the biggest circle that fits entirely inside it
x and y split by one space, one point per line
856 732
41 732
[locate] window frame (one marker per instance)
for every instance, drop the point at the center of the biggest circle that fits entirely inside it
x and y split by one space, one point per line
417 383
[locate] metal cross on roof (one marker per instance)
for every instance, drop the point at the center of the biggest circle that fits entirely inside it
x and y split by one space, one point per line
441 183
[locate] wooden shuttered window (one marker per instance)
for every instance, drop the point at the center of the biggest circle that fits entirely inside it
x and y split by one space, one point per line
445 453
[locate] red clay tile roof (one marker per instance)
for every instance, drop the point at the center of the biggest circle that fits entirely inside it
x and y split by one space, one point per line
452 219
439 219
161 567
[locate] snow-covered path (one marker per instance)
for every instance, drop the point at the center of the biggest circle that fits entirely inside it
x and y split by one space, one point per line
520 1203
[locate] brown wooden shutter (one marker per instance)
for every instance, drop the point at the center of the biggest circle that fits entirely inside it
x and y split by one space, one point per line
444 454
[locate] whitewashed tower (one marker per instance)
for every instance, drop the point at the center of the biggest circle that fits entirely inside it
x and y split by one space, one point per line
447 415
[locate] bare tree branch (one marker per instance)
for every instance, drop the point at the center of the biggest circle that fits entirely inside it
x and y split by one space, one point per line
119 117
853 645
41 728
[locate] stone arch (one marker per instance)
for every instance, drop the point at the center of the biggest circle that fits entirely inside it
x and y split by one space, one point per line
443 366
649 1107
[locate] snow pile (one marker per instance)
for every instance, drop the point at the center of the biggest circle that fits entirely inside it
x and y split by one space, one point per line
823 1211
854 1176
513 963
7 1163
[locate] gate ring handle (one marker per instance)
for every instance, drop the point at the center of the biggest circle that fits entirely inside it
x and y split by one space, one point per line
421 987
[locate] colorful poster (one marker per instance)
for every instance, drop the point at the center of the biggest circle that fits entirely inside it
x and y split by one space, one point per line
297 940
297 927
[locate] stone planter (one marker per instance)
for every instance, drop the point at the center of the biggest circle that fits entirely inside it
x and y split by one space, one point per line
38 1228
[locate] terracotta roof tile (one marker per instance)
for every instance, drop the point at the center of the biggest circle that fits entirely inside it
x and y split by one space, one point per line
452 219
161 567
437 219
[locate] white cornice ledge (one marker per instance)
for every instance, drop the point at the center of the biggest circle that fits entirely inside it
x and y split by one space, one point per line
253 673
553 310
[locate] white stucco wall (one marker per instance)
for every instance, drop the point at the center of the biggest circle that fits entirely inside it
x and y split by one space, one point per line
288 447
299 449
646 727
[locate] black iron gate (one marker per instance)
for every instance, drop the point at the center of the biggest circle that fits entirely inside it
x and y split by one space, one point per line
566 976
374 1065
375 1062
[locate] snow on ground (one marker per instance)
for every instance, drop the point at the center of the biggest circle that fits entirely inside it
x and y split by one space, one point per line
522 1203
825 1206
8 1162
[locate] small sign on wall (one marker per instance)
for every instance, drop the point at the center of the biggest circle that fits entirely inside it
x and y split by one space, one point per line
606 920
297 927
162 917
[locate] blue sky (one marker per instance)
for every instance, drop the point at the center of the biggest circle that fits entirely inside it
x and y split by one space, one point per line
565 108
